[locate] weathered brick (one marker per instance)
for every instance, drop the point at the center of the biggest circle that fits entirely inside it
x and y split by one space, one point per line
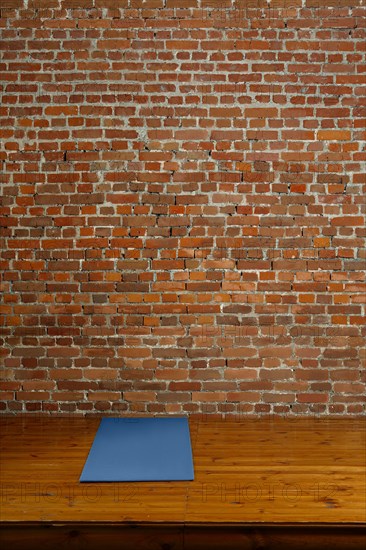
341 135
183 208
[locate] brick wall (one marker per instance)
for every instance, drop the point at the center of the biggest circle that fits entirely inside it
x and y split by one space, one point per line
183 206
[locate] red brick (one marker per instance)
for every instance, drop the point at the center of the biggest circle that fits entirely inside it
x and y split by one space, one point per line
180 233
139 396
348 221
341 135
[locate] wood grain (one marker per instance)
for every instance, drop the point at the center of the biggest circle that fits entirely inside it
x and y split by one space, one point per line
172 537
267 473
279 470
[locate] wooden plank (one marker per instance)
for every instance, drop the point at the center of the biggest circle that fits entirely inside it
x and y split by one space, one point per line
89 537
276 470
289 537
270 470
179 537
42 460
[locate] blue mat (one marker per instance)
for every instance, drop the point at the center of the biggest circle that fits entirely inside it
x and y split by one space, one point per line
140 449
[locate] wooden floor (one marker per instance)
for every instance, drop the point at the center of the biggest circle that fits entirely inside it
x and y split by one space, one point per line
259 483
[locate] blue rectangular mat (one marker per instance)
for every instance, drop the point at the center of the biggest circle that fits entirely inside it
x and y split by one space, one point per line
140 449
